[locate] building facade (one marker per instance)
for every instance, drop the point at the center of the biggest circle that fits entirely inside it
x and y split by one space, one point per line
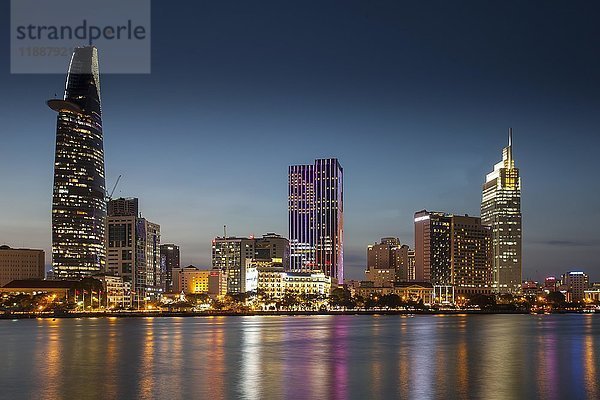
169 260
407 291
133 245
316 218
230 254
19 264
217 283
238 255
272 246
78 196
274 282
191 280
116 293
432 247
387 256
575 283
470 256
410 269
501 209
453 250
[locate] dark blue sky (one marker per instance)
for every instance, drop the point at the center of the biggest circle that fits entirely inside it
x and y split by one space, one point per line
414 99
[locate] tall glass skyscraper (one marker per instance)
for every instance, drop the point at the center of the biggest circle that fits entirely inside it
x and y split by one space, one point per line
78 198
316 217
501 209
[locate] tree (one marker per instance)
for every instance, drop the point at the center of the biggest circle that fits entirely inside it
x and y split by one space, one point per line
341 297
390 300
290 300
556 298
483 301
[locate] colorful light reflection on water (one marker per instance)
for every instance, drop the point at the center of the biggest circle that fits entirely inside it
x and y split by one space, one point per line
333 357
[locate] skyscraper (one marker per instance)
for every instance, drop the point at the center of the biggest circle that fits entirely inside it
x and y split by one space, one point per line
432 246
78 199
501 209
453 250
133 245
169 260
316 217
233 256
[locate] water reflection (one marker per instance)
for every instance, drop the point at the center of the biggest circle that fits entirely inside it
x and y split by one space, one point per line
547 354
338 386
251 374
48 354
329 357
146 370
591 374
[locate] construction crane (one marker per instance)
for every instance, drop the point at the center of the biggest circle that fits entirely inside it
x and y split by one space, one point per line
113 189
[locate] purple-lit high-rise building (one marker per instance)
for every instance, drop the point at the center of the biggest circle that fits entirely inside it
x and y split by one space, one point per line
316 217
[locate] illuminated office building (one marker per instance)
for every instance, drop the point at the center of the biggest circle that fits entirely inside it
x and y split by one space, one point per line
453 250
237 256
78 197
272 246
501 209
410 269
316 218
575 283
432 247
387 262
133 245
169 260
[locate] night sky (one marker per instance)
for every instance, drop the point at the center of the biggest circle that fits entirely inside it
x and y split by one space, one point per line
414 98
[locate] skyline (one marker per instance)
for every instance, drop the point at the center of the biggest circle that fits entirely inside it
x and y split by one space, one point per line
346 128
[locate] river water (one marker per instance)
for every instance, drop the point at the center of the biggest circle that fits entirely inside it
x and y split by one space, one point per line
303 357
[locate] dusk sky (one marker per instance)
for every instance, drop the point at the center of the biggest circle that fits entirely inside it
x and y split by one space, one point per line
414 99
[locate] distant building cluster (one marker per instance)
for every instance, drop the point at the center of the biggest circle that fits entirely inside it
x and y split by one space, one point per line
575 286
458 255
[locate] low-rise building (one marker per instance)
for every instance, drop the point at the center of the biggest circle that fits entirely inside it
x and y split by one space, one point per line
17 264
307 283
592 295
551 284
530 288
381 276
407 291
273 282
116 294
270 281
191 280
217 283
63 289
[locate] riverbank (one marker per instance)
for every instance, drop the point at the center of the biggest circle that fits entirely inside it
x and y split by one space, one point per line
139 314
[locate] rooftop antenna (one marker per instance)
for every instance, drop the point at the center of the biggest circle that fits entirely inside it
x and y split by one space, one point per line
224 231
509 148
